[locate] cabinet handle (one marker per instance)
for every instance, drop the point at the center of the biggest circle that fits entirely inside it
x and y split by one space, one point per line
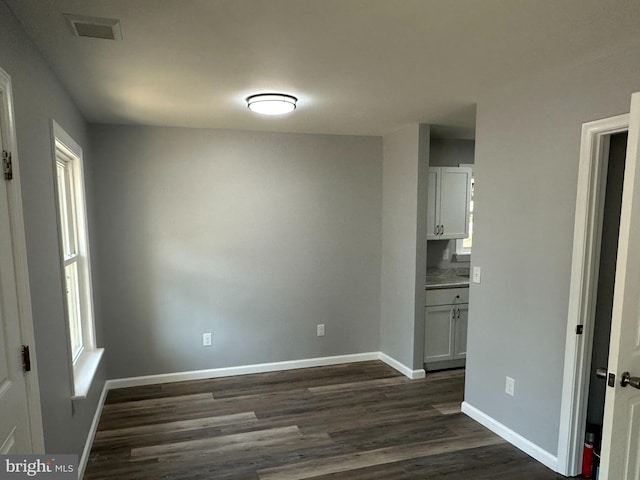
458 313
435 229
441 229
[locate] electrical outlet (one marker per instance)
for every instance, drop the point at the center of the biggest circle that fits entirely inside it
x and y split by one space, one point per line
510 386
476 274
445 254
206 339
320 329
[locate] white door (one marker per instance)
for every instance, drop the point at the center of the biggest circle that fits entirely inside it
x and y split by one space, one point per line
621 431
454 202
14 419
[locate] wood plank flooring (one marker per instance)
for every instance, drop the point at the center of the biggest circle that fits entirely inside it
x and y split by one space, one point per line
359 421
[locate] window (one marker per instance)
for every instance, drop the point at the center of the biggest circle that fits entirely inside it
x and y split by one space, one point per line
463 247
74 240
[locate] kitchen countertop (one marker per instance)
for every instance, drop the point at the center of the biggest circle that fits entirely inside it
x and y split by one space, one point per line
449 278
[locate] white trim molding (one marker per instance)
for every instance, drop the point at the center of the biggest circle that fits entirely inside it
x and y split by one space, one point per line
263 368
84 459
512 437
401 367
592 174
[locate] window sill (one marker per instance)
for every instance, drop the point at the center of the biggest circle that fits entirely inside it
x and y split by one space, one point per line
84 371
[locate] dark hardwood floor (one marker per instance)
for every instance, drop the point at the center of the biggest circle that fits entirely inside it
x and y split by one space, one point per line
360 421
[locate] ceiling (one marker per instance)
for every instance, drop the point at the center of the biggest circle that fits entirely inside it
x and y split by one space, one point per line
357 66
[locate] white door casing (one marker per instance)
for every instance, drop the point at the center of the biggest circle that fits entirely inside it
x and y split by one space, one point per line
621 430
20 414
592 174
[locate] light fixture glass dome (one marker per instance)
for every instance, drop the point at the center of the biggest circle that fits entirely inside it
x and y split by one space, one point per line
272 103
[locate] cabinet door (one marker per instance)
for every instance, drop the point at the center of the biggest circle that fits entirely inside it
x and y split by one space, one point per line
433 203
438 333
460 331
455 189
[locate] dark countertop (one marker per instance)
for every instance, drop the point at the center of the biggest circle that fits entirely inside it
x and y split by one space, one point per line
450 278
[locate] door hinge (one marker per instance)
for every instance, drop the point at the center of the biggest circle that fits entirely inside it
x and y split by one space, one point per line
7 165
26 358
579 329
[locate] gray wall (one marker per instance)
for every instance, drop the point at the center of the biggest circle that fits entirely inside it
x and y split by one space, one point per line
406 157
451 152
38 97
255 237
526 169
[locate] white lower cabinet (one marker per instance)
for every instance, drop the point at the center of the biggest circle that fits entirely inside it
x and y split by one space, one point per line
460 332
445 333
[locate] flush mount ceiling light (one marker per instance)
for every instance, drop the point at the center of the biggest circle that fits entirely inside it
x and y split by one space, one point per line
271 103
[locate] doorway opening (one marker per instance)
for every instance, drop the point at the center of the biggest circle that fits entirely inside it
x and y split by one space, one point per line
599 199
597 382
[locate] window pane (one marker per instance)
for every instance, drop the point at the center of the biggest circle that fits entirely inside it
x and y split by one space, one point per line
73 306
66 205
63 205
467 242
71 212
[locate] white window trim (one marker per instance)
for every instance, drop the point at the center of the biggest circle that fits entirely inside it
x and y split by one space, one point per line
85 366
463 253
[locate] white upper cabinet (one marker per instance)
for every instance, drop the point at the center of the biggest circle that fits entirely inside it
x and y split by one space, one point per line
448 197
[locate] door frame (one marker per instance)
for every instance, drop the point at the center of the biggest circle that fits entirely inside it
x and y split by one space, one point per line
16 216
585 264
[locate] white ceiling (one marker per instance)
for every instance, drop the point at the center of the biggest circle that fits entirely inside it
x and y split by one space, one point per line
357 66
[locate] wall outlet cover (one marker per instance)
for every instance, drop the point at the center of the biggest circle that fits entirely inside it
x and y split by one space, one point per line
510 386
320 330
476 274
206 339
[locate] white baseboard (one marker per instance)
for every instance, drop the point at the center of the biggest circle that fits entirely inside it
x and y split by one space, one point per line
241 370
262 368
401 367
512 437
92 432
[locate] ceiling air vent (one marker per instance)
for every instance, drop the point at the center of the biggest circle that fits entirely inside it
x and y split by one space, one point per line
94 27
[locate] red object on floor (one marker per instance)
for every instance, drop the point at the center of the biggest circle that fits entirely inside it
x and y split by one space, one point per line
587 460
